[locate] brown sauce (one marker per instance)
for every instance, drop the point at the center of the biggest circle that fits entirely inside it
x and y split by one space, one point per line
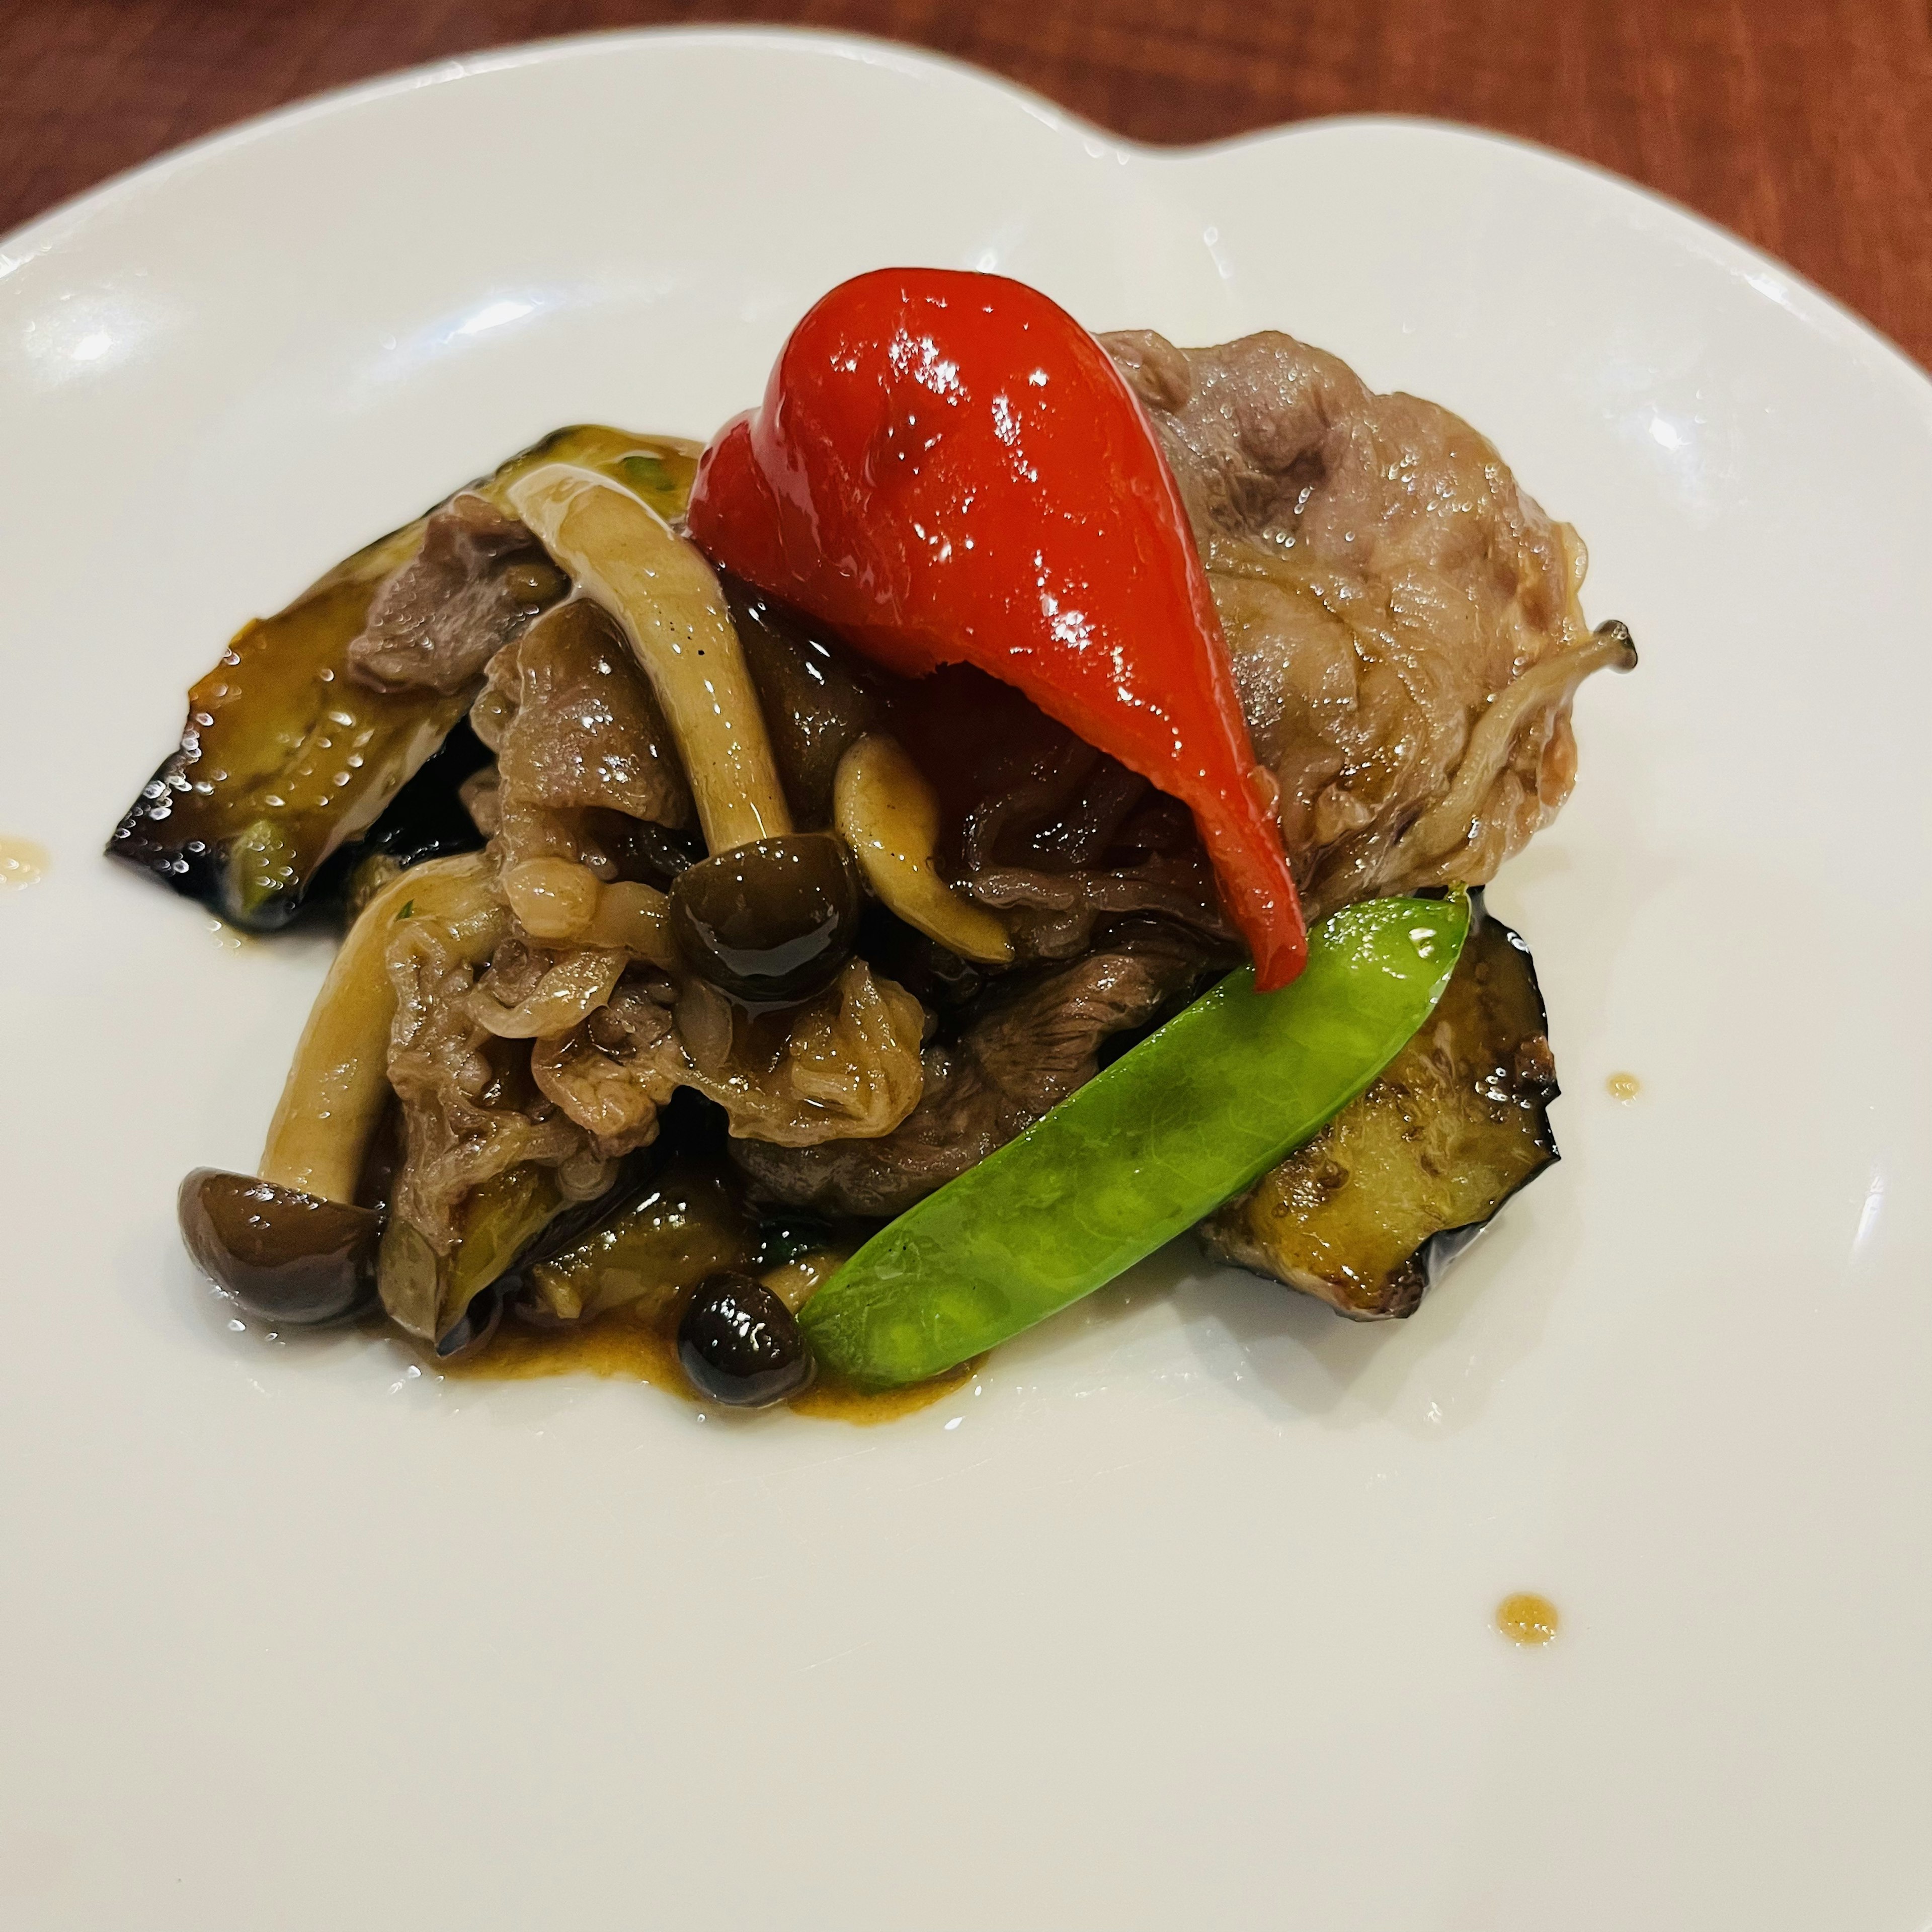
1625 1087
620 1346
1528 1619
22 862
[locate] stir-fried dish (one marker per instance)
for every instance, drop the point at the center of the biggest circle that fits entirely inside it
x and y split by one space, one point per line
830 898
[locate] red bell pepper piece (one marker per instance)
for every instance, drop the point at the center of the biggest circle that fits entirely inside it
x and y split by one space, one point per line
947 468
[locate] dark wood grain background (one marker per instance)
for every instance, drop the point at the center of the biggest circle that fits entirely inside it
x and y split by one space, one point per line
1806 125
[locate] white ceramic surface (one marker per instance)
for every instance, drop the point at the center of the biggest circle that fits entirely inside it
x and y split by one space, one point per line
1181 1617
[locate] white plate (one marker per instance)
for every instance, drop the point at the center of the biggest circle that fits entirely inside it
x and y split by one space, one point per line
1183 1616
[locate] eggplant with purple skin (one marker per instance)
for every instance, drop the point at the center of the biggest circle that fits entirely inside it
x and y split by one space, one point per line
294 746
686 1224
1367 1214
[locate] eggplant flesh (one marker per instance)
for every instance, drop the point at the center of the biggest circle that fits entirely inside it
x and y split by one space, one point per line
1367 1214
427 1295
286 759
662 1242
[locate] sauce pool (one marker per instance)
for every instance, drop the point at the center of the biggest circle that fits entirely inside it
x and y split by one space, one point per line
616 1345
1527 1619
22 862
1624 1087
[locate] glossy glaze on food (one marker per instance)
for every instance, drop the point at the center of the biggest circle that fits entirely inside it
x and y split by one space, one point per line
1366 1214
723 886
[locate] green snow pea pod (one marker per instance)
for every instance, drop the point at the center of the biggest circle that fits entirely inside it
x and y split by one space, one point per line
1176 1126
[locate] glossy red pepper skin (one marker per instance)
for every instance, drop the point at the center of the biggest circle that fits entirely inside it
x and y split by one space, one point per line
947 469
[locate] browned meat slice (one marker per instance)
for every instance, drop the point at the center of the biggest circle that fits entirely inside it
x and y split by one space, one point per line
479 578
575 727
1041 827
1036 1040
819 697
1402 618
845 1062
470 1111
1075 839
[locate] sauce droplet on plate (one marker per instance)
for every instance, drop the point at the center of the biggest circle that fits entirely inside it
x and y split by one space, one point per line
1624 1086
230 939
1526 1619
22 862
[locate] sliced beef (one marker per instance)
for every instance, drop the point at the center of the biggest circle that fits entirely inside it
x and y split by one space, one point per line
586 769
479 579
818 696
470 1110
1402 618
1051 833
1077 839
845 1062
1035 1040
575 725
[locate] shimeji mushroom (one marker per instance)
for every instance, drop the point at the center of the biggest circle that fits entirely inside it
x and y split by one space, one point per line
888 815
290 1242
772 914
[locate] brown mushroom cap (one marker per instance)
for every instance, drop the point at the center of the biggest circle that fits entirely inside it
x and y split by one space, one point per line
287 1256
775 919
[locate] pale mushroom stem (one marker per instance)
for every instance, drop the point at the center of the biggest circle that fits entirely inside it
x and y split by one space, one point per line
1446 825
338 1082
888 815
618 551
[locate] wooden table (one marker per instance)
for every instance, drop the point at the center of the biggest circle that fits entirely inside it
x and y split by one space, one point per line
1806 125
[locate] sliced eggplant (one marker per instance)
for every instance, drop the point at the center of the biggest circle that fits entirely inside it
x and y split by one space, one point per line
509 1226
286 757
687 1224
427 1295
1366 1215
427 819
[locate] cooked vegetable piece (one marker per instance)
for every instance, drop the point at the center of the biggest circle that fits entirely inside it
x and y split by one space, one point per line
429 1296
1174 1126
774 920
660 590
427 818
947 467
286 757
288 1257
738 1343
575 1218
474 1329
1409 1172
888 815
661 1242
